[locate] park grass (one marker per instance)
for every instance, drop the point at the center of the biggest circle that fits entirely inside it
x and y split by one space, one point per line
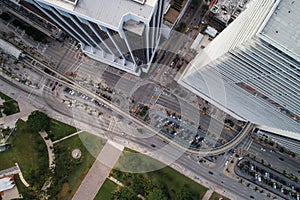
172 180
58 130
23 151
9 106
216 196
21 187
106 191
79 171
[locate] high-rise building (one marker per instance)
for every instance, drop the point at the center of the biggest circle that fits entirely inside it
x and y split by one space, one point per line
121 33
251 70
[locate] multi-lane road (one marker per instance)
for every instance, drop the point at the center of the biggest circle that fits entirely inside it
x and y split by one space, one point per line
168 153
279 161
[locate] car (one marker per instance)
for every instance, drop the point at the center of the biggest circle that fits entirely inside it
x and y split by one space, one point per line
226 163
211 173
262 149
153 145
187 30
252 197
281 159
259 178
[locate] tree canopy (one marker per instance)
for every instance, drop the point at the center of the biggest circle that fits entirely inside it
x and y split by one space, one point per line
38 121
156 194
124 194
183 195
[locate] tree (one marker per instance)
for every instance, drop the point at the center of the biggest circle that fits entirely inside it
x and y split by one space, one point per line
283 172
137 185
124 194
38 121
156 194
195 3
183 195
281 149
293 154
181 27
205 6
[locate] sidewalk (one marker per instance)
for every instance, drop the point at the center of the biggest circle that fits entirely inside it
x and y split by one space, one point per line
207 194
68 136
99 171
25 110
49 145
21 177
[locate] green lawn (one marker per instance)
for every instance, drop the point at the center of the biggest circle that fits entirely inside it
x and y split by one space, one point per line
29 151
166 177
59 130
175 181
69 171
9 106
106 191
216 196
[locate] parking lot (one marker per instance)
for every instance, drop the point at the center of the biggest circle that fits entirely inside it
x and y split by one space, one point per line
282 184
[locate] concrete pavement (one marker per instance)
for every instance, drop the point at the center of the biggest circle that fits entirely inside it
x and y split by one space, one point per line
207 194
22 177
49 145
68 136
99 171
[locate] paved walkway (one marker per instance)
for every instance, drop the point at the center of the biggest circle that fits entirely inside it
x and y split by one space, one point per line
25 110
115 181
207 194
68 136
49 145
21 177
99 171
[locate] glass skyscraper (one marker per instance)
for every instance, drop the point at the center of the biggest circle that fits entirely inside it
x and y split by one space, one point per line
251 70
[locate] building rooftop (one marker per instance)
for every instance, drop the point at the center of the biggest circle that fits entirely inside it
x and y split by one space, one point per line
71 1
6 183
109 12
211 31
226 9
283 27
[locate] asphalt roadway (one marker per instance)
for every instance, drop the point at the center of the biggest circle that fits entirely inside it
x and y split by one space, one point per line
190 112
290 165
218 180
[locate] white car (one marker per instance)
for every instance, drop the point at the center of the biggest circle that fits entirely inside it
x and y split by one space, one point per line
262 149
